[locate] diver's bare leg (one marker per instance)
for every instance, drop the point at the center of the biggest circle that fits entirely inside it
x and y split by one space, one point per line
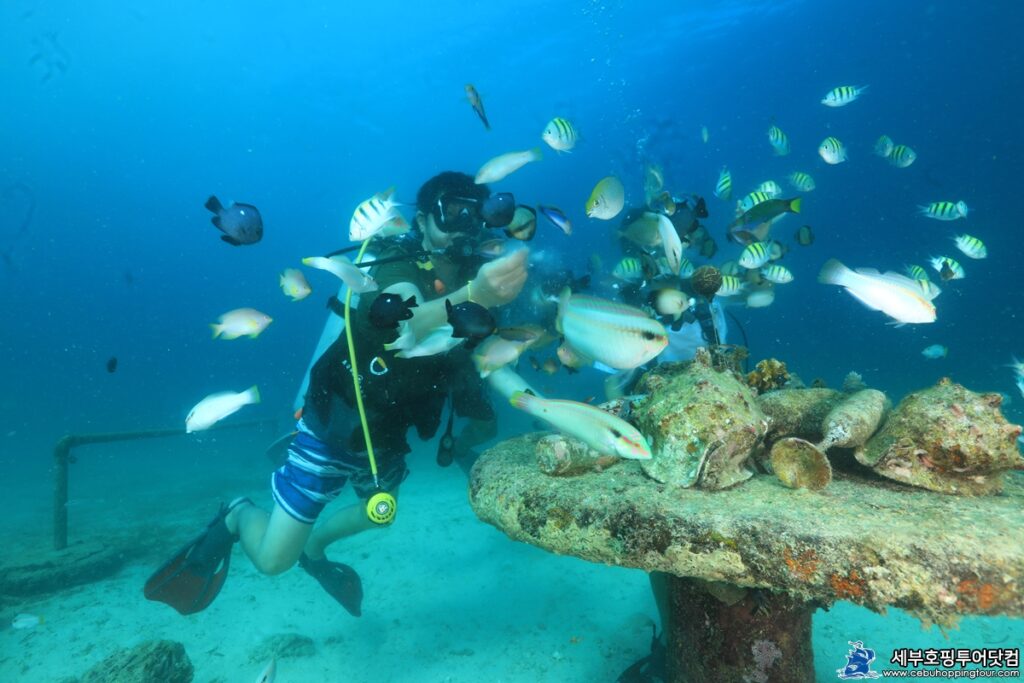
272 541
348 521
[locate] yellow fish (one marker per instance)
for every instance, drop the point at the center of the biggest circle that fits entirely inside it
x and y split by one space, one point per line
607 199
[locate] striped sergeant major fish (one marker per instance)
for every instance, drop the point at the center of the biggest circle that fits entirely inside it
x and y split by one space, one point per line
944 211
843 95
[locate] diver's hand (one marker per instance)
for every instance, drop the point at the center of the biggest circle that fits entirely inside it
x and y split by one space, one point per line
501 280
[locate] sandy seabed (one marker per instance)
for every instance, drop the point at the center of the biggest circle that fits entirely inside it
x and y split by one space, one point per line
448 599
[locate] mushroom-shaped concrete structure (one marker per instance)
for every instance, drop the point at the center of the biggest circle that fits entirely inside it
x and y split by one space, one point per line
862 539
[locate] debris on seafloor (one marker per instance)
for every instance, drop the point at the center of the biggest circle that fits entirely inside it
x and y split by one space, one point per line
768 375
702 424
800 464
852 422
947 439
563 456
798 412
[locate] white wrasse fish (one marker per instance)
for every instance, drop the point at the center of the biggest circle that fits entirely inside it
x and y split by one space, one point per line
505 164
241 322
269 673
339 266
216 407
615 334
495 353
896 295
605 433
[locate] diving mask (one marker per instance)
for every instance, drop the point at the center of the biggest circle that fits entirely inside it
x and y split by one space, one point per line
455 213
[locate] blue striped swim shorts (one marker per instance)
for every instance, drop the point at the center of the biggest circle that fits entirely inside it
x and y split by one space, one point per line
315 473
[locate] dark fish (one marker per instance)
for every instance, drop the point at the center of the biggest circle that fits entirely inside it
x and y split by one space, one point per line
524 224
240 223
388 309
805 236
470 321
477 104
557 218
709 248
766 211
554 283
112 364
947 273
499 209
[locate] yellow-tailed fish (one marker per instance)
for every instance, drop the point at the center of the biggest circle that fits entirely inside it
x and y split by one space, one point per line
972 247
478 104
917 272
241 322
832 151
604 432
801 181
505 164
671 242
902 156
755 255
751 200
780 275
686 268
723 188
371 215
560 134
629 269
896 295
767 211
339 266
944 211
216 407
778 141
884 146
731 286
843 95
662 203
294 284
615 334
948 269
607 199
928 288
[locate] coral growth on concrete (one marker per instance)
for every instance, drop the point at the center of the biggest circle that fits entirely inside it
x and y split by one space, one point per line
946 439
702 424
768 375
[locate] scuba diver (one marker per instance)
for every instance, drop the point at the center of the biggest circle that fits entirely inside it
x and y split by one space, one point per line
433 267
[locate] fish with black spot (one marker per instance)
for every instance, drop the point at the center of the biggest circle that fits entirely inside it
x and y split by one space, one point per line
240 223
389 309
470 321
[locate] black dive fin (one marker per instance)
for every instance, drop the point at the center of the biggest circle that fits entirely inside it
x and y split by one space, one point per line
230 240
191 579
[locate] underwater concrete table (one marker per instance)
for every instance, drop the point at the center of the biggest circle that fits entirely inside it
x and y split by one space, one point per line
862 539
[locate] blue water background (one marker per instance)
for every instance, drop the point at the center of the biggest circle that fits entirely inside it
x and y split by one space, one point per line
305 110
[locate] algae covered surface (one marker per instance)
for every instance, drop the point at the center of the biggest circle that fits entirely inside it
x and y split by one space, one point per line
862 539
